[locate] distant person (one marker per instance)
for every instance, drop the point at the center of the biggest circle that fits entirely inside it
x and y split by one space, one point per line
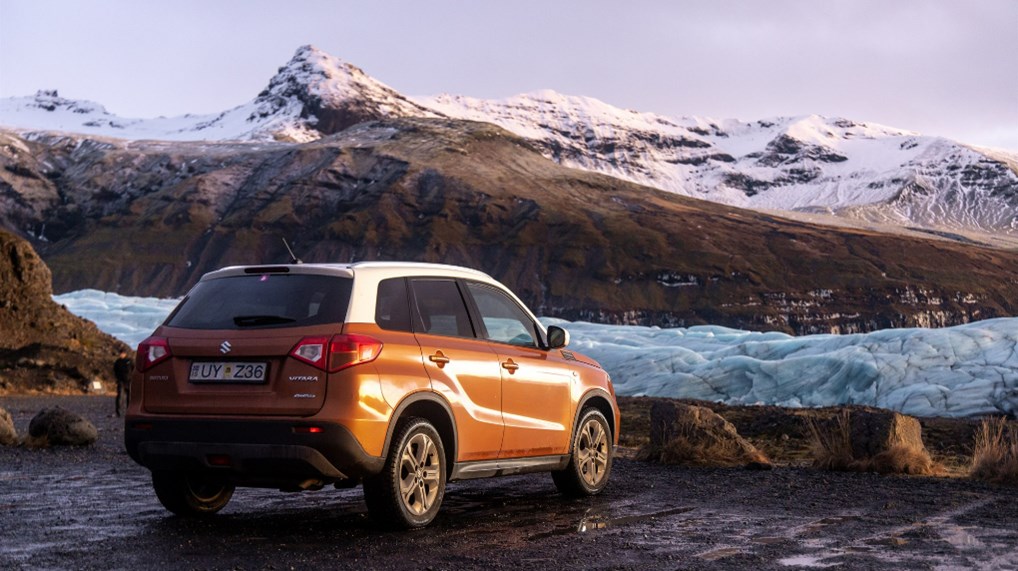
122 370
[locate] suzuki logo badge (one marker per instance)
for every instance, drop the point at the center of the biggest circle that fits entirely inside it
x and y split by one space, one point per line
225 347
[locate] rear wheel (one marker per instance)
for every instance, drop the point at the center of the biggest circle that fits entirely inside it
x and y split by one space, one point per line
408 492
591 462
191 495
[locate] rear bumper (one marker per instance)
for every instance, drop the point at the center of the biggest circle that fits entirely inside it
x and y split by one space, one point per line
249 452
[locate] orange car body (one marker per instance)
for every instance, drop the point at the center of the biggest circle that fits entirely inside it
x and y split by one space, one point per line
304 416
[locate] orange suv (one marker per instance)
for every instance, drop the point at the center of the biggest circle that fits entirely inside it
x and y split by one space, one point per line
400 376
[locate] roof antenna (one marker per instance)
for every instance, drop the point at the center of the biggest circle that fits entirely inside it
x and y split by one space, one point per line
293 259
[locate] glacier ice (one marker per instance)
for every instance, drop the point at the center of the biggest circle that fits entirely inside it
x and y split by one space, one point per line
964 370
130 319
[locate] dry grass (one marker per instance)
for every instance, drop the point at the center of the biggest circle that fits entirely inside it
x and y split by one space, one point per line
682 451
995 455
831 443
831 447
683 448
902 460
784 435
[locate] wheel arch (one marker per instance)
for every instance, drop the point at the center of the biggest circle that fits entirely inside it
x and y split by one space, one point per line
600 400
433 408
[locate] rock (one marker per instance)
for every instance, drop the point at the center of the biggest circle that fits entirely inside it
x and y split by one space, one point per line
871 440
874 431
58 427
43 347
8 435
697 436
23 272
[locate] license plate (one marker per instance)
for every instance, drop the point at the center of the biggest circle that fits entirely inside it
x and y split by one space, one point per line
228 372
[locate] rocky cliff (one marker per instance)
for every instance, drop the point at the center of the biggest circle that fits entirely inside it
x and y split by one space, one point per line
43 347
148 218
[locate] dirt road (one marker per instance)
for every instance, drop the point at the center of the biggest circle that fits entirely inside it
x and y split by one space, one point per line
94 509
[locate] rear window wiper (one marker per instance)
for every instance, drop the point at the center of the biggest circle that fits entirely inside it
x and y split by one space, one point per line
249 320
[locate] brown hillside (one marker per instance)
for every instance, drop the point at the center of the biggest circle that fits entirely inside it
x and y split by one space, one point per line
150 218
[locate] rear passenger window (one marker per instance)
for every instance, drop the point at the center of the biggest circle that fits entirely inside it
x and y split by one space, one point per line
440 308
392 306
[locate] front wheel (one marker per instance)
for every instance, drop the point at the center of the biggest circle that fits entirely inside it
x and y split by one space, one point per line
191 495
409 490
591 462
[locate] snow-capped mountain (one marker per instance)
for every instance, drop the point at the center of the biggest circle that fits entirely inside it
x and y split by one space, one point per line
313 95
812 164
316 94
808 164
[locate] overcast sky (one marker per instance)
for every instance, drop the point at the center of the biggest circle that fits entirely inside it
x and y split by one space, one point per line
941 67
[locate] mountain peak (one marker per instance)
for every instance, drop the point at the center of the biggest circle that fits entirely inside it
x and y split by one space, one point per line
321 73
328 94
50 100
48 110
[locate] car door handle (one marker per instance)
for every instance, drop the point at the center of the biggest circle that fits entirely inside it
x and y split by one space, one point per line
510 366
439 359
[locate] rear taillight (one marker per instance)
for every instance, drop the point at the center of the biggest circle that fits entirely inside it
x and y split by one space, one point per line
151 352
311 350
338 353
348 350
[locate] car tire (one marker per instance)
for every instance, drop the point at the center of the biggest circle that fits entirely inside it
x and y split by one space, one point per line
590 463
408 492
191 495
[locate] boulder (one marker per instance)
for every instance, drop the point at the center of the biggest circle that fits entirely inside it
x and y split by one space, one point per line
861 439
8 435
58 427
874 431
697 436
43 347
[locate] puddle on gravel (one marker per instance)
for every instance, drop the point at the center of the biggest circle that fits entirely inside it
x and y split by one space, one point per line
884 545
715 554
769 540
590 522
806 561
959 537
68 507
602 522
820 525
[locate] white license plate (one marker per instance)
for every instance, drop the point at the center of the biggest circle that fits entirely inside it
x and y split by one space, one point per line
228 372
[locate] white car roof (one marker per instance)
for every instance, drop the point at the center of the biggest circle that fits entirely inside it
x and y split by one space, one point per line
381 270
366 277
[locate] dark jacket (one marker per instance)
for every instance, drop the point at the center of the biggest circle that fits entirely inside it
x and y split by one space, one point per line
122 369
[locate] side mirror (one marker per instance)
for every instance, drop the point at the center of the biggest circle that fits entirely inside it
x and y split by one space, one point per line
557 337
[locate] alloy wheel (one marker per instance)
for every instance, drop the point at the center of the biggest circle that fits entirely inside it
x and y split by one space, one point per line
420 474
592 452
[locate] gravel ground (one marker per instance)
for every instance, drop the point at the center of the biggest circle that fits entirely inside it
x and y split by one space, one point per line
93 508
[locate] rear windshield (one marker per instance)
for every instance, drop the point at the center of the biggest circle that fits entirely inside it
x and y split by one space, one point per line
263 300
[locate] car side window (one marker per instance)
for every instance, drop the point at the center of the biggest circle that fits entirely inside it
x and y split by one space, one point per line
392 306
504 319
440 308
